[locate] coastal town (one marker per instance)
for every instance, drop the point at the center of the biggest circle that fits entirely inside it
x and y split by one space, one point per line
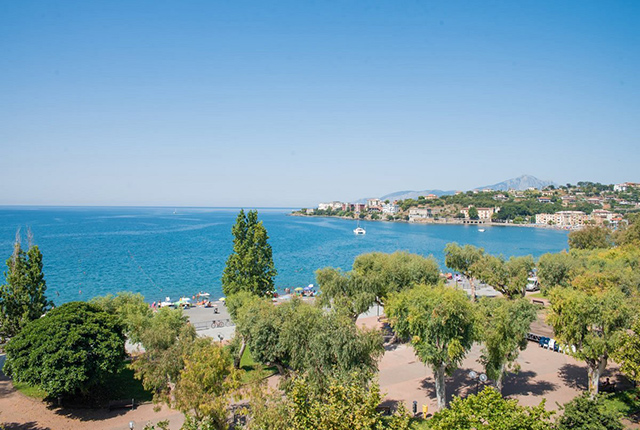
565 207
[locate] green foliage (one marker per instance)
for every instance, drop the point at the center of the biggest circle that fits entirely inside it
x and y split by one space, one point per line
592 322
489 411
309 341
590 237
506 324
166 339
629 234
462 258
72 350
507 276
373 277
556 270
344 405
627 354
585 413
441 323
22 297
250 266
473 212
206 385
130 309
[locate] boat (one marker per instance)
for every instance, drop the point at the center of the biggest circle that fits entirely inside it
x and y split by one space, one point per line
359 230
166 303
481 230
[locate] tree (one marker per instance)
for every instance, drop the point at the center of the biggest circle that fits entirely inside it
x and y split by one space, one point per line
630 233
504 334
592 323
132 311
303 338
373 277
628 353
507 276
591 414
166 339
345 405
590 237
489 411
556 270
72 350
207 383
250 266
22 297
473 213
464 259
442 325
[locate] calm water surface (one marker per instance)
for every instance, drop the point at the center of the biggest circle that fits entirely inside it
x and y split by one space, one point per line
154 251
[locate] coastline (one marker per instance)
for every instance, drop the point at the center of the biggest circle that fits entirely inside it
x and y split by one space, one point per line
444 221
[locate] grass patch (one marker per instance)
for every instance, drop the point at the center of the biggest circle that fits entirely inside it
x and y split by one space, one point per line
626 403
253 369
537 295
30 391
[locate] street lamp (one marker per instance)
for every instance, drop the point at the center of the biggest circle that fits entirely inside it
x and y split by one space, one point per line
478 378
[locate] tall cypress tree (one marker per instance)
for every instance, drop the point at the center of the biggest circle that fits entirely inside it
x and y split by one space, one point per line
250 266
22 297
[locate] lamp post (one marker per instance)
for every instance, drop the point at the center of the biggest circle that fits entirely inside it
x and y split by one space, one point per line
478 378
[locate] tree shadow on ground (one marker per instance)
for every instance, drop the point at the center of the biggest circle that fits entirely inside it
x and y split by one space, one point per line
23 426
87 413
574 376
459 384
522 383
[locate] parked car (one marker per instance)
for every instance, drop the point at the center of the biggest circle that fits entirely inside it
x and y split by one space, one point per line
532 284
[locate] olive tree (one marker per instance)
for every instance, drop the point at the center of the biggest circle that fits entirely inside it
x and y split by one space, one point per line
504 334
442 325
592 323
464 259
373 277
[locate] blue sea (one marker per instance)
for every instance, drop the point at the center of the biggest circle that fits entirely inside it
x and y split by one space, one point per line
162 252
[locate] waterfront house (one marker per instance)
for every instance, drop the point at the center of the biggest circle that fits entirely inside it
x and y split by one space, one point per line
563 218
421 214
390 209
483 213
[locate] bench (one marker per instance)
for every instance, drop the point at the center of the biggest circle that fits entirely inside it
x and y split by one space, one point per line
537 302
122 404
202 325
608 388
384 410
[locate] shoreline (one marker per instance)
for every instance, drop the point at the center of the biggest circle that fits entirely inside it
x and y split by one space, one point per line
447 221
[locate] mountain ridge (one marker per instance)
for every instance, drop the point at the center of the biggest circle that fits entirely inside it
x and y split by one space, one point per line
520 183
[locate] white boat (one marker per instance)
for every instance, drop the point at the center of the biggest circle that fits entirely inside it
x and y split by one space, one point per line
359 230
481 230
166 303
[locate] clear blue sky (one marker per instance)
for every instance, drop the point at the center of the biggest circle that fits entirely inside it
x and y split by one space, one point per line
263 103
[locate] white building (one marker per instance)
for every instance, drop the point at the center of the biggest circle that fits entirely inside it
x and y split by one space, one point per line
374 203
563 218
418 214
390 209
483 213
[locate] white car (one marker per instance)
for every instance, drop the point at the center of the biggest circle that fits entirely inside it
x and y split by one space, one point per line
532 284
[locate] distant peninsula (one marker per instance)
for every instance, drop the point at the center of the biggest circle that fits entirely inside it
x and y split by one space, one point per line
524 201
